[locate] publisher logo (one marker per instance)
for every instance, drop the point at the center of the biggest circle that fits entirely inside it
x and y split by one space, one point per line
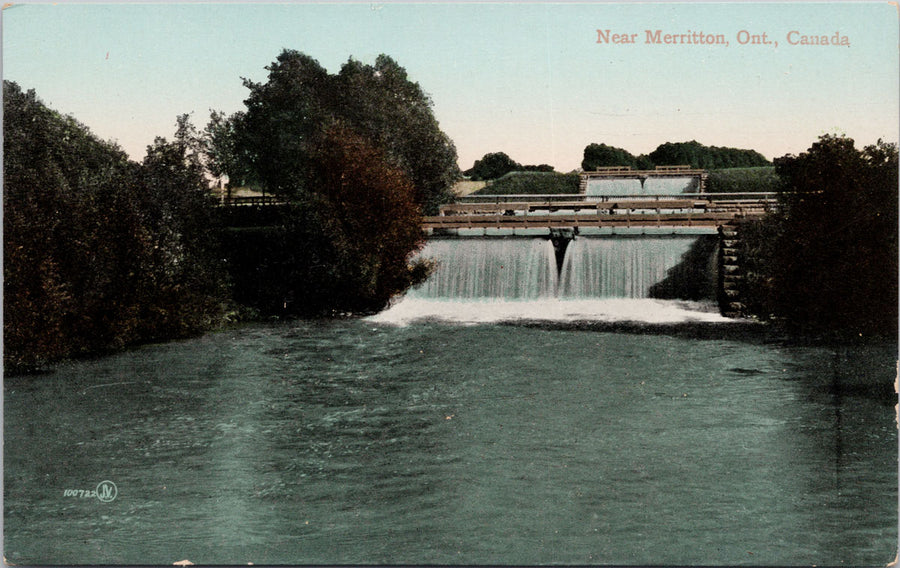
107 491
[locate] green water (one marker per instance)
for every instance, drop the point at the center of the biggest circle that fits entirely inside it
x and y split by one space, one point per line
359 442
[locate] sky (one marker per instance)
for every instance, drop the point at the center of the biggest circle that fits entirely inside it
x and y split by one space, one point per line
531 79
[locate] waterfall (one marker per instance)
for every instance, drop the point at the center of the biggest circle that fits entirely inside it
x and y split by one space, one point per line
633 186
501 269
613 186
669 185
525 269
620 267
482 280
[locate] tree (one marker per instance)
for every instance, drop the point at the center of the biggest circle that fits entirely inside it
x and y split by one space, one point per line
381 104
836 261
270 142
345 246
374 218
697 155
492 166
222 155
53 169
601 155
189 284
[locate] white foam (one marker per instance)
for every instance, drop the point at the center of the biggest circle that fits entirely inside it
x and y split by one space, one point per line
406 311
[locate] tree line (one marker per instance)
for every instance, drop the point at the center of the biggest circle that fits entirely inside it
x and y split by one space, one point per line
103 252
494 165
99 251
691 153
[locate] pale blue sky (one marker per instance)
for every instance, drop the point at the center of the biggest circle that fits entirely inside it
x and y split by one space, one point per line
528 79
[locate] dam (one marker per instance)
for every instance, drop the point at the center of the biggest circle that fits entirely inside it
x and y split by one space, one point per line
628 235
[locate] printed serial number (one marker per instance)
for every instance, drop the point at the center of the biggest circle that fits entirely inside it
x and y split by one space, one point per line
84 493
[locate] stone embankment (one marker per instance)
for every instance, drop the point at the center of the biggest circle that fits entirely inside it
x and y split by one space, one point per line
731 275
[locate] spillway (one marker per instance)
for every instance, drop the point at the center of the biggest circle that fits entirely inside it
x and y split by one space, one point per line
670 185
613 186
522 269
602 279
618 267
509 269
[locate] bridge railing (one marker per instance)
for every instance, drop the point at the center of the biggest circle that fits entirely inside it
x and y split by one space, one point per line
769 196
251 201
512 210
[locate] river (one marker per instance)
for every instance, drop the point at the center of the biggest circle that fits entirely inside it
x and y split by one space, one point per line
490 440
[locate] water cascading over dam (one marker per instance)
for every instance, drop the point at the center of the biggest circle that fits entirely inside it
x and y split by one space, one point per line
619 268
656 186
613 187
670 185
511 269
525 269
600 279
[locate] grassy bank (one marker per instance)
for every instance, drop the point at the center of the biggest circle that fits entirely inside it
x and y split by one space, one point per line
743 180
538 183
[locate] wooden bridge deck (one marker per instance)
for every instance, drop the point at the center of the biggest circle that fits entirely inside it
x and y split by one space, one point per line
688 219
700 210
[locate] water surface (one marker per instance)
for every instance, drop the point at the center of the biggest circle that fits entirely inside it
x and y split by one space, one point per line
369 442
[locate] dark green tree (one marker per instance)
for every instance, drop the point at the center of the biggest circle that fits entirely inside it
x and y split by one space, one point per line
381 103
697 155
221 151
269 143
492 166
836 261
601 155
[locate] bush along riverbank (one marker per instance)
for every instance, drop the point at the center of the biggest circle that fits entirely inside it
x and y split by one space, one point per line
825 265
100 252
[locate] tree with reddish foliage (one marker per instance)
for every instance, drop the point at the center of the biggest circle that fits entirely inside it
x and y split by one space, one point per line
374 214
345 246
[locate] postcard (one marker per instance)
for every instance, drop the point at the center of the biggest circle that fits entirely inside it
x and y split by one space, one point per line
457 283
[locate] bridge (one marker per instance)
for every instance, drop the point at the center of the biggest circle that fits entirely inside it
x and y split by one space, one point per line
529 215
580 213
611 200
